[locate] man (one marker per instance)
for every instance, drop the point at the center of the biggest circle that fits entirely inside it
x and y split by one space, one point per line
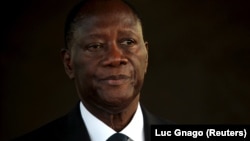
107 57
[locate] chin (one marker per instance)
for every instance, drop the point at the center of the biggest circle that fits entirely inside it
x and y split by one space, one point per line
118 102
115 108
117 99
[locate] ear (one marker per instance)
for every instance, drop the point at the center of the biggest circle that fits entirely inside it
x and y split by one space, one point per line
146 45
67 62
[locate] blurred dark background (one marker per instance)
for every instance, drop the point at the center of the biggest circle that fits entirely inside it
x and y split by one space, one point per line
198 67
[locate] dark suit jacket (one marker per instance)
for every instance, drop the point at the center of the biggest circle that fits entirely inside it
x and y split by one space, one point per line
72 128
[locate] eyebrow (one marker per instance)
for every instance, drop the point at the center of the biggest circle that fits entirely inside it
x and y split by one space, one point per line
96 35
127 32
100 35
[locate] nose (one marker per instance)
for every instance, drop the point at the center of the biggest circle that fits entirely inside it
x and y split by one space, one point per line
114 57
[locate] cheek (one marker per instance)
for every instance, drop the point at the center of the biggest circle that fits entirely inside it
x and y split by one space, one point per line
140 65
80 61
143 61
81 67
84 75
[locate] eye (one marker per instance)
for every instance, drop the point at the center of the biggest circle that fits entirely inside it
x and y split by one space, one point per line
94 47
128 42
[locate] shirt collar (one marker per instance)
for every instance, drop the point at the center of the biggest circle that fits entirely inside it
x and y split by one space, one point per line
96 127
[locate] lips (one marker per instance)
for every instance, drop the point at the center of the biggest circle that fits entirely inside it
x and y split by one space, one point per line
115 80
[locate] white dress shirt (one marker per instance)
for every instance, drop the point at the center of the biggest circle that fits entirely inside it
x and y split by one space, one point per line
99 131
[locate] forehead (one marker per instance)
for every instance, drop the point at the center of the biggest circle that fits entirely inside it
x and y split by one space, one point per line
100 19
103 21
101 15
103 27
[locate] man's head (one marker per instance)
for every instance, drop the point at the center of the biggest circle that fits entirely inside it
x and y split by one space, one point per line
106 54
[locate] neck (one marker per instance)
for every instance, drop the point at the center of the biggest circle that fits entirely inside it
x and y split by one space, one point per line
115 120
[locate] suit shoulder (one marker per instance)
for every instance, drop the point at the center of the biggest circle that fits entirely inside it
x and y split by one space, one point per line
66 128
49 131
153 119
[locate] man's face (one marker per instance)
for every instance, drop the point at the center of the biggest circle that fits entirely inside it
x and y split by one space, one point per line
108 59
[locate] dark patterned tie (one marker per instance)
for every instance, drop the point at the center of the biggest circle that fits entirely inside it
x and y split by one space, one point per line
118 137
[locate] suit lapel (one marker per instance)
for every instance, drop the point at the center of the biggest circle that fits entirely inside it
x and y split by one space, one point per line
76 127
149 120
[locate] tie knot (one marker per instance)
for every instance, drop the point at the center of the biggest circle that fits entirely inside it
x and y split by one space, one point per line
118 137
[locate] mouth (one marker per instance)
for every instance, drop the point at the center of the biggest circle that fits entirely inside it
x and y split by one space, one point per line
115 80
